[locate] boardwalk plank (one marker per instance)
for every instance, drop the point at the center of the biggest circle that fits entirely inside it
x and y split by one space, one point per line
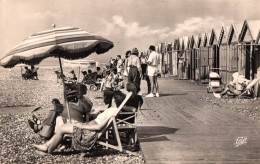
178 127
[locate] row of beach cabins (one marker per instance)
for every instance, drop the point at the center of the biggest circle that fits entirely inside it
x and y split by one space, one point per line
225 50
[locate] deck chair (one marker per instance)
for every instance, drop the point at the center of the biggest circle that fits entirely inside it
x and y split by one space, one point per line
104 136
92 82
126 122
111 126
249 87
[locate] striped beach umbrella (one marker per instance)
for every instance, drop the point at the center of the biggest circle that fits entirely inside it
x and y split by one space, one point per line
67 42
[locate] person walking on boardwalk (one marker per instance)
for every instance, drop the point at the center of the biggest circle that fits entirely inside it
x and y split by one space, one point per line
135 71
152 71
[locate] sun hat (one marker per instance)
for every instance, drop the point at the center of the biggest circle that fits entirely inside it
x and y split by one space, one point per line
134 51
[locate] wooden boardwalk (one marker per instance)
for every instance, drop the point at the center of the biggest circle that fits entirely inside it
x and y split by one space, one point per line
181 127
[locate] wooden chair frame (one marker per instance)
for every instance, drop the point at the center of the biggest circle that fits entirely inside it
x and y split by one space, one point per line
124 124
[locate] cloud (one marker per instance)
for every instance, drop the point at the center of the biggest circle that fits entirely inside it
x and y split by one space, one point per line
196 25
130 29
191 26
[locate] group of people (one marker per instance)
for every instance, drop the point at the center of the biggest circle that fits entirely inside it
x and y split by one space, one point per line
30 73
85 120
136 67
113 80
146 67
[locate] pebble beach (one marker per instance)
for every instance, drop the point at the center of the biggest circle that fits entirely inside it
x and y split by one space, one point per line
16 133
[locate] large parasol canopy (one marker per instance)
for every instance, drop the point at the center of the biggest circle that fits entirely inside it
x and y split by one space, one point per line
67 42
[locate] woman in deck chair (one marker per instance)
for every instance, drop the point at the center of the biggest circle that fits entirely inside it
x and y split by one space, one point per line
84 134
235 87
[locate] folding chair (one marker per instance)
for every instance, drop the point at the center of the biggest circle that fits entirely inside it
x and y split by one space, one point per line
126 123
249 86
111 126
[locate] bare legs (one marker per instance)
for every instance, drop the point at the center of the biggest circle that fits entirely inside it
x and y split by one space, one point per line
154 84
228 90
56 139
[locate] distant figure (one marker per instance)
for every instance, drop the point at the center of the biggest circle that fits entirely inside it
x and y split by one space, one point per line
112 63
180 67
119 64
59 75
89 71
143 64
99 73
72 76
28 73
107 83
34 72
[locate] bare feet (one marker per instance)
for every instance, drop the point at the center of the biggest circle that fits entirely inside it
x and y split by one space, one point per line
43 147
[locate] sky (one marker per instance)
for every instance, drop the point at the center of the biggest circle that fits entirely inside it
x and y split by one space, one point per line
127 23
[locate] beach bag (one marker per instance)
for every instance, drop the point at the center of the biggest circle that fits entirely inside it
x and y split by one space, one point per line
47 131
48 125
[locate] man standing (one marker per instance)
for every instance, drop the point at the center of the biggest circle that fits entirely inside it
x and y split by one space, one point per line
153 63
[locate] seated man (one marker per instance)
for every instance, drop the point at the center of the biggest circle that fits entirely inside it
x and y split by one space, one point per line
34 72
235 87
27 74
72 76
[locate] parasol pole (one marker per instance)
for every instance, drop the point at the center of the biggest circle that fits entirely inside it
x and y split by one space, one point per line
79 74
66 102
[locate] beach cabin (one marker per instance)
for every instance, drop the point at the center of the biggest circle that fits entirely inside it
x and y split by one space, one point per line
186 56
232 57
214 50
181 58
163 57
169 59
223 50
175 49
191 60
196 54
249 49
204 57
188 52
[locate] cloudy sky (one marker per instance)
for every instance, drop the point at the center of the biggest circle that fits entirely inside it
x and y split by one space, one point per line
128 23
